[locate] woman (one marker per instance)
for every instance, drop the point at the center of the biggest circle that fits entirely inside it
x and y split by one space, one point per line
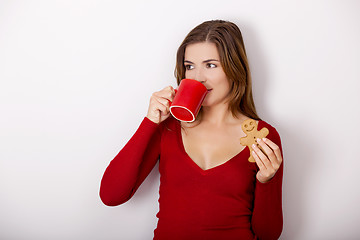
208 188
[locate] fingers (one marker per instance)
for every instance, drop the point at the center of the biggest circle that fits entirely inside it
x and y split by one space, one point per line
159 107
275 148
161 104
271 150
164 97
268 159
258 161
263 161
166 93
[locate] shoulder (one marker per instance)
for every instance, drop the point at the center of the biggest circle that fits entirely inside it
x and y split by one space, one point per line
262 123
273 133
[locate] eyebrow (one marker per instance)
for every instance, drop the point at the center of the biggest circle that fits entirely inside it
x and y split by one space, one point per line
206 61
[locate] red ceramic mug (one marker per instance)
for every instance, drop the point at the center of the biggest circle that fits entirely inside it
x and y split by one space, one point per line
188 99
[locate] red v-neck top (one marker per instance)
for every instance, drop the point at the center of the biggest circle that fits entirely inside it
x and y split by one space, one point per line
224 202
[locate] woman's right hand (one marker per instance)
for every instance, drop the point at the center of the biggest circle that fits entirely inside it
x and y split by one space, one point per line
159 107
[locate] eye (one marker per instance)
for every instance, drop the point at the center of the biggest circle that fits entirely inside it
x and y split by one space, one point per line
189 67
210 65
246 126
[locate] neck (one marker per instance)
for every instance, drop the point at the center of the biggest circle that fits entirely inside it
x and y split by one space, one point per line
218 115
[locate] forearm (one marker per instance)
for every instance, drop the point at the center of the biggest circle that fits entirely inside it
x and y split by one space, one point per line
131 165
267 219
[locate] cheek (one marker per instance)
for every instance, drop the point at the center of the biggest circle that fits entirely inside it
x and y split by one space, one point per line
188 75
223 84
220 77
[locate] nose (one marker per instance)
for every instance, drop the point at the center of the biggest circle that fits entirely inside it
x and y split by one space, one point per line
199 76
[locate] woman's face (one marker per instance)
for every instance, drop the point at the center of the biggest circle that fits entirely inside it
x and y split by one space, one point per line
202 63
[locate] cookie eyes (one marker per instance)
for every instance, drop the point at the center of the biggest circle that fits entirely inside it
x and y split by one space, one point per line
246 126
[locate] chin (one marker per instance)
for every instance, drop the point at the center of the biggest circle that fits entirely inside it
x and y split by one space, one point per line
206 103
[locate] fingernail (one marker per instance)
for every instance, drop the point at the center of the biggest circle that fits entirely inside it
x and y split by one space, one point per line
258 140
264 139
254 146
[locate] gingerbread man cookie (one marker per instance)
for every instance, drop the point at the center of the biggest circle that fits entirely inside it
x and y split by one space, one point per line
250 129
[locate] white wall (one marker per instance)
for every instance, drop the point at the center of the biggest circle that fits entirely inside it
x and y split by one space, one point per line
76 77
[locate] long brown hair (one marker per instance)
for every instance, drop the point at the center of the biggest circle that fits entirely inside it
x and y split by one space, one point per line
230 45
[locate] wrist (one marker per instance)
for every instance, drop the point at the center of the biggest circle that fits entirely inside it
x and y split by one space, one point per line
152 119
263 179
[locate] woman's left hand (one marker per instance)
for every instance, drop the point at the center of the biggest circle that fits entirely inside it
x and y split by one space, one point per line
268 165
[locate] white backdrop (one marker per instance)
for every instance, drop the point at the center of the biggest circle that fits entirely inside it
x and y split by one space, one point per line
76 77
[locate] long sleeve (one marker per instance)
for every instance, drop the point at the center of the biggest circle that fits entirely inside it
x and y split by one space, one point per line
267 219
131 165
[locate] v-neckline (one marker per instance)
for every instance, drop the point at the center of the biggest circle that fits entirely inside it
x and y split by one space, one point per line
194 164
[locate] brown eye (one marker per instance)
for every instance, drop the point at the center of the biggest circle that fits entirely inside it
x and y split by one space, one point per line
189 67
210 65
246 125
